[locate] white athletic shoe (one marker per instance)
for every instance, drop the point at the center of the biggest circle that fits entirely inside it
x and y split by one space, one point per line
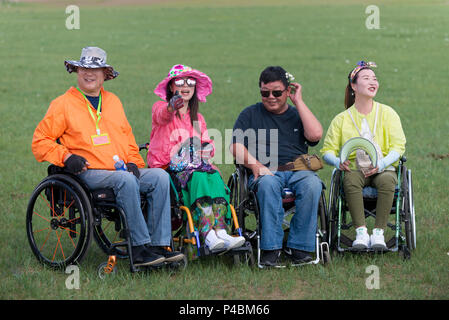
230 241
377 240
212 242
362 239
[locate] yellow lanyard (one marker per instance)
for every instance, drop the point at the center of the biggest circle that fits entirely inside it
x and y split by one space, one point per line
97 121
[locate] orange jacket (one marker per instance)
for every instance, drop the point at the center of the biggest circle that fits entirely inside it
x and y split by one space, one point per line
68 119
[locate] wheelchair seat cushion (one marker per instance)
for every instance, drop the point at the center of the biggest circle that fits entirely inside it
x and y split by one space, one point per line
369 192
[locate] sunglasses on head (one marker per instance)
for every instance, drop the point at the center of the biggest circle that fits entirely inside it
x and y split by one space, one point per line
276 93
180 82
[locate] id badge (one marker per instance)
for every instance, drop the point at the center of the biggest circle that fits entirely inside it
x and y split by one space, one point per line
100 139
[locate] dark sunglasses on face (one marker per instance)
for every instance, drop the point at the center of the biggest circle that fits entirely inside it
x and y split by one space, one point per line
181 82
276 93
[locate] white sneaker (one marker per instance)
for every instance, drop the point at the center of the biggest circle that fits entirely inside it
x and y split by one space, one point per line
377 240
362 239
212 242
230 241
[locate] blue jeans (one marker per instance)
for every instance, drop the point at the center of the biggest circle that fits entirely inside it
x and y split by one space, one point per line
154 183
306 186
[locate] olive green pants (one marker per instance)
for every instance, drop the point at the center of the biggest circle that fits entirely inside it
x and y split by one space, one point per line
384 182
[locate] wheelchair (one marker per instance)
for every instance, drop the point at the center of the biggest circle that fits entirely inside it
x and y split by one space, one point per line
248 213
63 215
186 237
403 228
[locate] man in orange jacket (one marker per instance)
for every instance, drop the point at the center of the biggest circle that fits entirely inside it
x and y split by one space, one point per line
91 127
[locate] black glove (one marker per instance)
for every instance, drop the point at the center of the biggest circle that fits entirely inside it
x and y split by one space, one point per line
133 169
176 102
75 164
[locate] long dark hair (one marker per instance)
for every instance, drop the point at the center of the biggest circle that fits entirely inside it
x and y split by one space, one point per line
193 107
349 93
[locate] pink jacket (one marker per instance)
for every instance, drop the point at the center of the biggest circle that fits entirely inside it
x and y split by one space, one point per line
169 132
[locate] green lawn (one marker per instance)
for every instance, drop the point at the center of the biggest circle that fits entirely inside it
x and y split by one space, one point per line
232 41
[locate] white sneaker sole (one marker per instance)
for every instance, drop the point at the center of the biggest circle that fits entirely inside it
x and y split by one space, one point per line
150 263
175 258
359 246
379 247
217 246
236 244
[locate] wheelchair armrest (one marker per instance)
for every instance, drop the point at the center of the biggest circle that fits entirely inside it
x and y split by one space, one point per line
54 169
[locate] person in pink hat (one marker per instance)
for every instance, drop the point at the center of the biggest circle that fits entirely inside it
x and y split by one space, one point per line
180 143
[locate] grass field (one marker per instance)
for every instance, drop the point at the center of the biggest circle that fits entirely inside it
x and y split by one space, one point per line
232 41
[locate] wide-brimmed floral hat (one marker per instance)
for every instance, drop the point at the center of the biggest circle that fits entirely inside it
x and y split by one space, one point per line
203 83
92 58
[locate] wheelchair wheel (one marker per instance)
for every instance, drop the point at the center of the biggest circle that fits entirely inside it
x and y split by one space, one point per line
105 269
333 209
108 231
58 221
323 219
245 259
409 211
237 184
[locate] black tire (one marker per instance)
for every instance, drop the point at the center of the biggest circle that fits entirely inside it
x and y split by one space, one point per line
246 259
239 195
409 214
326 258
237 185
323 219
334 193
58 221
101 271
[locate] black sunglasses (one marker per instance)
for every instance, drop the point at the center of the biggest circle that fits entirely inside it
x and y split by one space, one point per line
276 93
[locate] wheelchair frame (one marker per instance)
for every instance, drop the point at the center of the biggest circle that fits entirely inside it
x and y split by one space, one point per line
404 239
192 237
245 201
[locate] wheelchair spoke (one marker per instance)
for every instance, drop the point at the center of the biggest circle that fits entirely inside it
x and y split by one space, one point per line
48 235
58 244
48 204
37 231
103 230
65 208
67 231
71 220
34 212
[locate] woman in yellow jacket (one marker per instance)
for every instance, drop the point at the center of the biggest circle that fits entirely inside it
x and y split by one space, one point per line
381 124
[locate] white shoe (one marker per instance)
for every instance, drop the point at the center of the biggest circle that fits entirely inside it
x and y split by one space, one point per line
362 239
230 241
377 240
212 242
